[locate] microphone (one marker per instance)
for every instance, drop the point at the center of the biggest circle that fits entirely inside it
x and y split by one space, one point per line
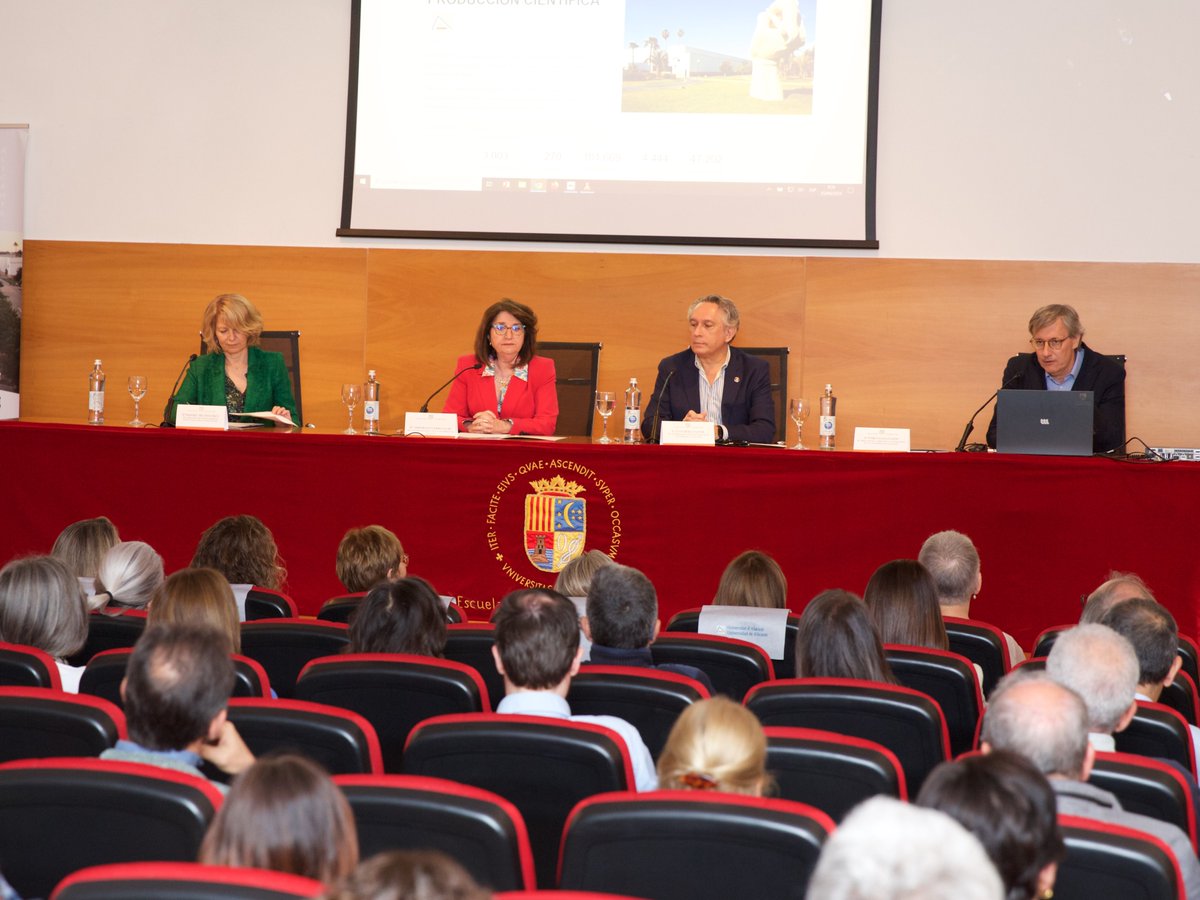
658 408
425 405
170 407
962 442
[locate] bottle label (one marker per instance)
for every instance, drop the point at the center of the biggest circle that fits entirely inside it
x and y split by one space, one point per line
633 418
828 426
371 411
96 401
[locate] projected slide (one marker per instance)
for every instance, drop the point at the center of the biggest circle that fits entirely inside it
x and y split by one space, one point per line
654 120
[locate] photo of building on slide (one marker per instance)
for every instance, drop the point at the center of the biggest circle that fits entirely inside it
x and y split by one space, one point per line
739 56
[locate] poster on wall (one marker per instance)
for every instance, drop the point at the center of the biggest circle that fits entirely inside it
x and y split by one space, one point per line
12 226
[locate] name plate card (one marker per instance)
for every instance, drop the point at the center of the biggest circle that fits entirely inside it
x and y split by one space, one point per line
193 415
765 627
431 424
886 440
698 434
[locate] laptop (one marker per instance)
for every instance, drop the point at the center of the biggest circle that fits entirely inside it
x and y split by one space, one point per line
1044 423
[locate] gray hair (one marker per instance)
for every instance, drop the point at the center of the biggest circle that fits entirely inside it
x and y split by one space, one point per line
953 562
41 604
1048 315
1035 716
1100 666
890 850
576 576
732 318
1119 586
129 573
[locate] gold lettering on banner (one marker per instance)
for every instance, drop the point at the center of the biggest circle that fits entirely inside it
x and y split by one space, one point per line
569 510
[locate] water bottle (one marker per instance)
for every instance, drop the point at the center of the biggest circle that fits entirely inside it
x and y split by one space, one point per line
96 395
371 403
828 418
633 413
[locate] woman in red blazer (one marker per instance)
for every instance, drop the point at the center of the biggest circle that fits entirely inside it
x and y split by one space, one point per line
505 388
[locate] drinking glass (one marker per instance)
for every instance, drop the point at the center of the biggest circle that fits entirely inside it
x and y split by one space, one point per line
137 390
606 402
798 409
351 394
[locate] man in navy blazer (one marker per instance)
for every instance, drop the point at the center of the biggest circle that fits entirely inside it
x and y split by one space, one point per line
1061 361
712 381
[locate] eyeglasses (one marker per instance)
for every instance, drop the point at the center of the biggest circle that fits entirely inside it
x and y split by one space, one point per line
500 328
1052 343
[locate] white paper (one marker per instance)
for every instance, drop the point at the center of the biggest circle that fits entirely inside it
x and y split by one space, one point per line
270 417
193 415
698 434
765 627
891 440
431 424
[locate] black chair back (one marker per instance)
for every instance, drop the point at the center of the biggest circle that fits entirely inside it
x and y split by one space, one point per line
542 766
1180 695
648 699
340 609
907 722
340 741
982 644
1147 786
42 722
24 666
393 692
262 603
481 830
471 643
776 359
733 666
183 881
688 620
833 772
576 366
59 815
1109 861
1159 731
950 680
285 646
105 671
110 633
736 846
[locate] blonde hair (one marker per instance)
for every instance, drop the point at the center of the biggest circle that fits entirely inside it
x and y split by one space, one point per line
197 597
81 545
239 313
366 555
129 573
716 744
576 576
752 579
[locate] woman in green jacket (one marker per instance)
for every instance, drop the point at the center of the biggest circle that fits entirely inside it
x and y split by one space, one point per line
235 372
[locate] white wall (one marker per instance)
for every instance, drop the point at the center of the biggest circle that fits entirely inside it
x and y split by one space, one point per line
1039 129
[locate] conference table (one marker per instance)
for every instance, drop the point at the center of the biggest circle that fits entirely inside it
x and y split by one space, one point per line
482 518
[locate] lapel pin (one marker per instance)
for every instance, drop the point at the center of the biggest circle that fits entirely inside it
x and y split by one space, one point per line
737 378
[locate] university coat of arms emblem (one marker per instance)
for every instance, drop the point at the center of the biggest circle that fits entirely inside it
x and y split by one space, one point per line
555 523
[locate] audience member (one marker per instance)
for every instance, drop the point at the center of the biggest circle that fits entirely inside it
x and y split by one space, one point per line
953 563
1002 799
42 606
576 576
243 550
1047 723
622 622
1100 666
890 850
903 603
1151 629
409 875
715 745
1118 587
129 573
81 545
284 813
537 652
836 638
176 690
369 555
197 597
401 616
752 579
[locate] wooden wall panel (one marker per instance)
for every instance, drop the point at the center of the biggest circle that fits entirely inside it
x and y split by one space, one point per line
912 343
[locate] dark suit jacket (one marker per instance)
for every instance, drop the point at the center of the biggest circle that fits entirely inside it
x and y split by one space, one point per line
267 382
1103 376
747 410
